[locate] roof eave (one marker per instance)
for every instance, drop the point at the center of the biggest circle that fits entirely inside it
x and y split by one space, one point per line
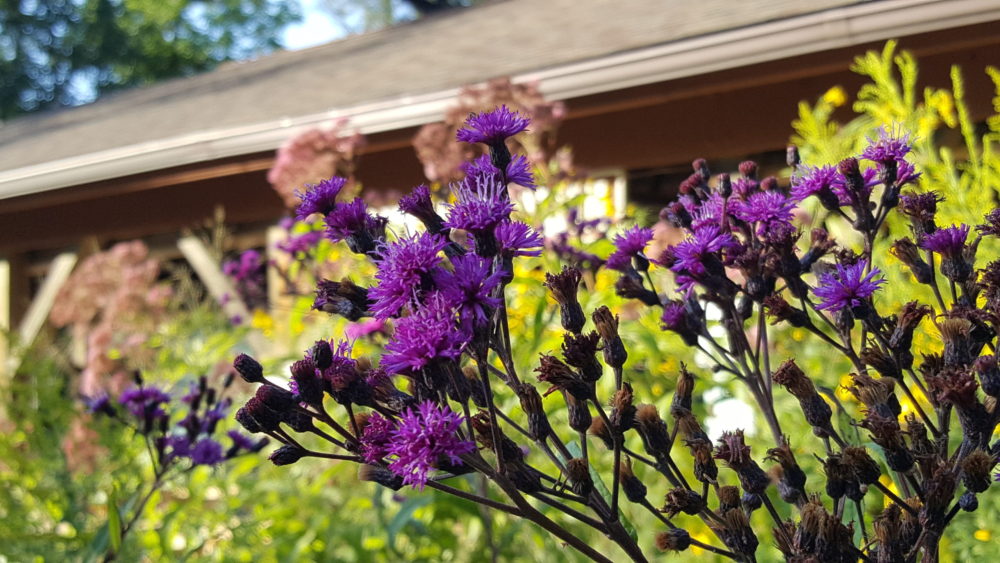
770 41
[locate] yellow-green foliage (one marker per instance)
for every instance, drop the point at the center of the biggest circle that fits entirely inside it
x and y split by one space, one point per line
958 158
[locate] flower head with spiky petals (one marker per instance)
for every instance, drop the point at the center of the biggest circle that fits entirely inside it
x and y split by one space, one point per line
206 452
674 316
817 181
847 286
347 219
764 208
840 187
376 438
403 267
469 287
429 333
493 126
949 241
689 255
991 223
708 212
518 239
320 198
425 436
418 203
145 401
888 147
481 202
628 245
518 170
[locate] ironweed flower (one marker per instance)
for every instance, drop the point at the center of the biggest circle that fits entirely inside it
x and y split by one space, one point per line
320 198
848 287
428 334
403 273
469 287
493 126
425 436
517 239
628 248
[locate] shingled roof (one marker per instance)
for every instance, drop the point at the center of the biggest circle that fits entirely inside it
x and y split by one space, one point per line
381 71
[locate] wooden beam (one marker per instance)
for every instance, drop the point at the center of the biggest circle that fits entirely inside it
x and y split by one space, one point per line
41 305
218 285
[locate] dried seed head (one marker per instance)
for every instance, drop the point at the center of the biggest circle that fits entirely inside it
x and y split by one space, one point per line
580 351
781 311
653 430
955 334
600 430
561 377
862 466
679 500
989 374
635 490
578 474
880 362
622 411
705 469
579 413
688 425
729 498
564 287
791 377
531 403
607 326
674 539
976 470
684 389
737 533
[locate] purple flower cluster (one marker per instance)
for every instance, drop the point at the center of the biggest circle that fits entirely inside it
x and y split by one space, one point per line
350 222
428 334
629 245
492 127
404 268
847 286
424 437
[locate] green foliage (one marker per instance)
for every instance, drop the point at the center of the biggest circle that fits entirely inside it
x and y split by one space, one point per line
958 159
65 52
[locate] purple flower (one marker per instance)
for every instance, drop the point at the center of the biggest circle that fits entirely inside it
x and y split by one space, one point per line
352 222
426 335
98 403
354 331
492 127
519 172
144 401
300 243
179 446
840 187
848 286
426 435
889 147
674 316
764 208
818 181
627 246
418 204
906 173
947 242
376 437
709 212
206 452
402 269
690 254
481 203
469 287
241 441
320 198
517 239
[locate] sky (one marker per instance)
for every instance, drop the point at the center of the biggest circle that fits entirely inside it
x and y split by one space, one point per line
316 27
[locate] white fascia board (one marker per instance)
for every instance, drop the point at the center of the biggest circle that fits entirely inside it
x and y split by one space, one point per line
811 33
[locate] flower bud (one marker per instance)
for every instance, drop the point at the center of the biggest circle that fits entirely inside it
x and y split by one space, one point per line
342 298
634 489
579 413
564 287
286 455
249 369
381 476
679 500
578 474
653 430
607 326
531 403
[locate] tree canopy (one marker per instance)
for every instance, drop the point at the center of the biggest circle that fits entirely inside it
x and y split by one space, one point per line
64 52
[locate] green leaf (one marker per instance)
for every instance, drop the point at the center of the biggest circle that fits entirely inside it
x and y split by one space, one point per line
405 515
114 522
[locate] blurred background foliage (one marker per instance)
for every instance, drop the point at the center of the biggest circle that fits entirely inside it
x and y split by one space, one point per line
60 467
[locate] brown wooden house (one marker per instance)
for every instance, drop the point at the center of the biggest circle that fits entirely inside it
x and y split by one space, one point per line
648 85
